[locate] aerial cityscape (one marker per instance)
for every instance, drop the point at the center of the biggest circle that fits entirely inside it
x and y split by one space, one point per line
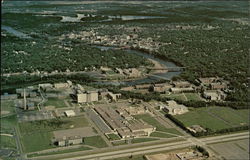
125 80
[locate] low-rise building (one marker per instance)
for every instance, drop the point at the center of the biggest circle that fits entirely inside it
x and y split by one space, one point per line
215 86
81 98
113 96
173 108
214 95
7 96
45 86
61 85
182 84
196 128
72 136
180 90
70 113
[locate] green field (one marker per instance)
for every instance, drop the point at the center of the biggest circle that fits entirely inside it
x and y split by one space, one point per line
36 141
37 135
215 118
7 142
58 103
113 137
150 120
161 135
184 96
140 140
178 96
8 105
8 124
60 152
139 157
54 124
193 96
95 141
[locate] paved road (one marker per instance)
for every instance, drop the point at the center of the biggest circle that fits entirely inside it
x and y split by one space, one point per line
148 149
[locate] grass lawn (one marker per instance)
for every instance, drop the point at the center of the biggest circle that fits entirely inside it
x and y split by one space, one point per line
150 120
113 137
117 143
36 141
8 123
137 157
95 141
60 152
202 117
8 106
161 135
58 103
230 115
54 124
193 96
7 142
37 135
140 140
244 113
177 96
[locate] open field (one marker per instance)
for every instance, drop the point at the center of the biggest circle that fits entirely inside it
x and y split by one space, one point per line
161 135
60 152
7 142
141 140
184 96
150 120
58 103
215 118
193 96
178 96
113 137
233 150
8 123
7 107
36 141
54 124
95 141
37 135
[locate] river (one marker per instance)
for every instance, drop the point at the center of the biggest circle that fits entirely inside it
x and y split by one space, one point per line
150 79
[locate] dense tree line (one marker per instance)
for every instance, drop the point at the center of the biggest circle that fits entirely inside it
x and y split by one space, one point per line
9 84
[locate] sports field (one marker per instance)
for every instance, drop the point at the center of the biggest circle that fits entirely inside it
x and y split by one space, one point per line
215 118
